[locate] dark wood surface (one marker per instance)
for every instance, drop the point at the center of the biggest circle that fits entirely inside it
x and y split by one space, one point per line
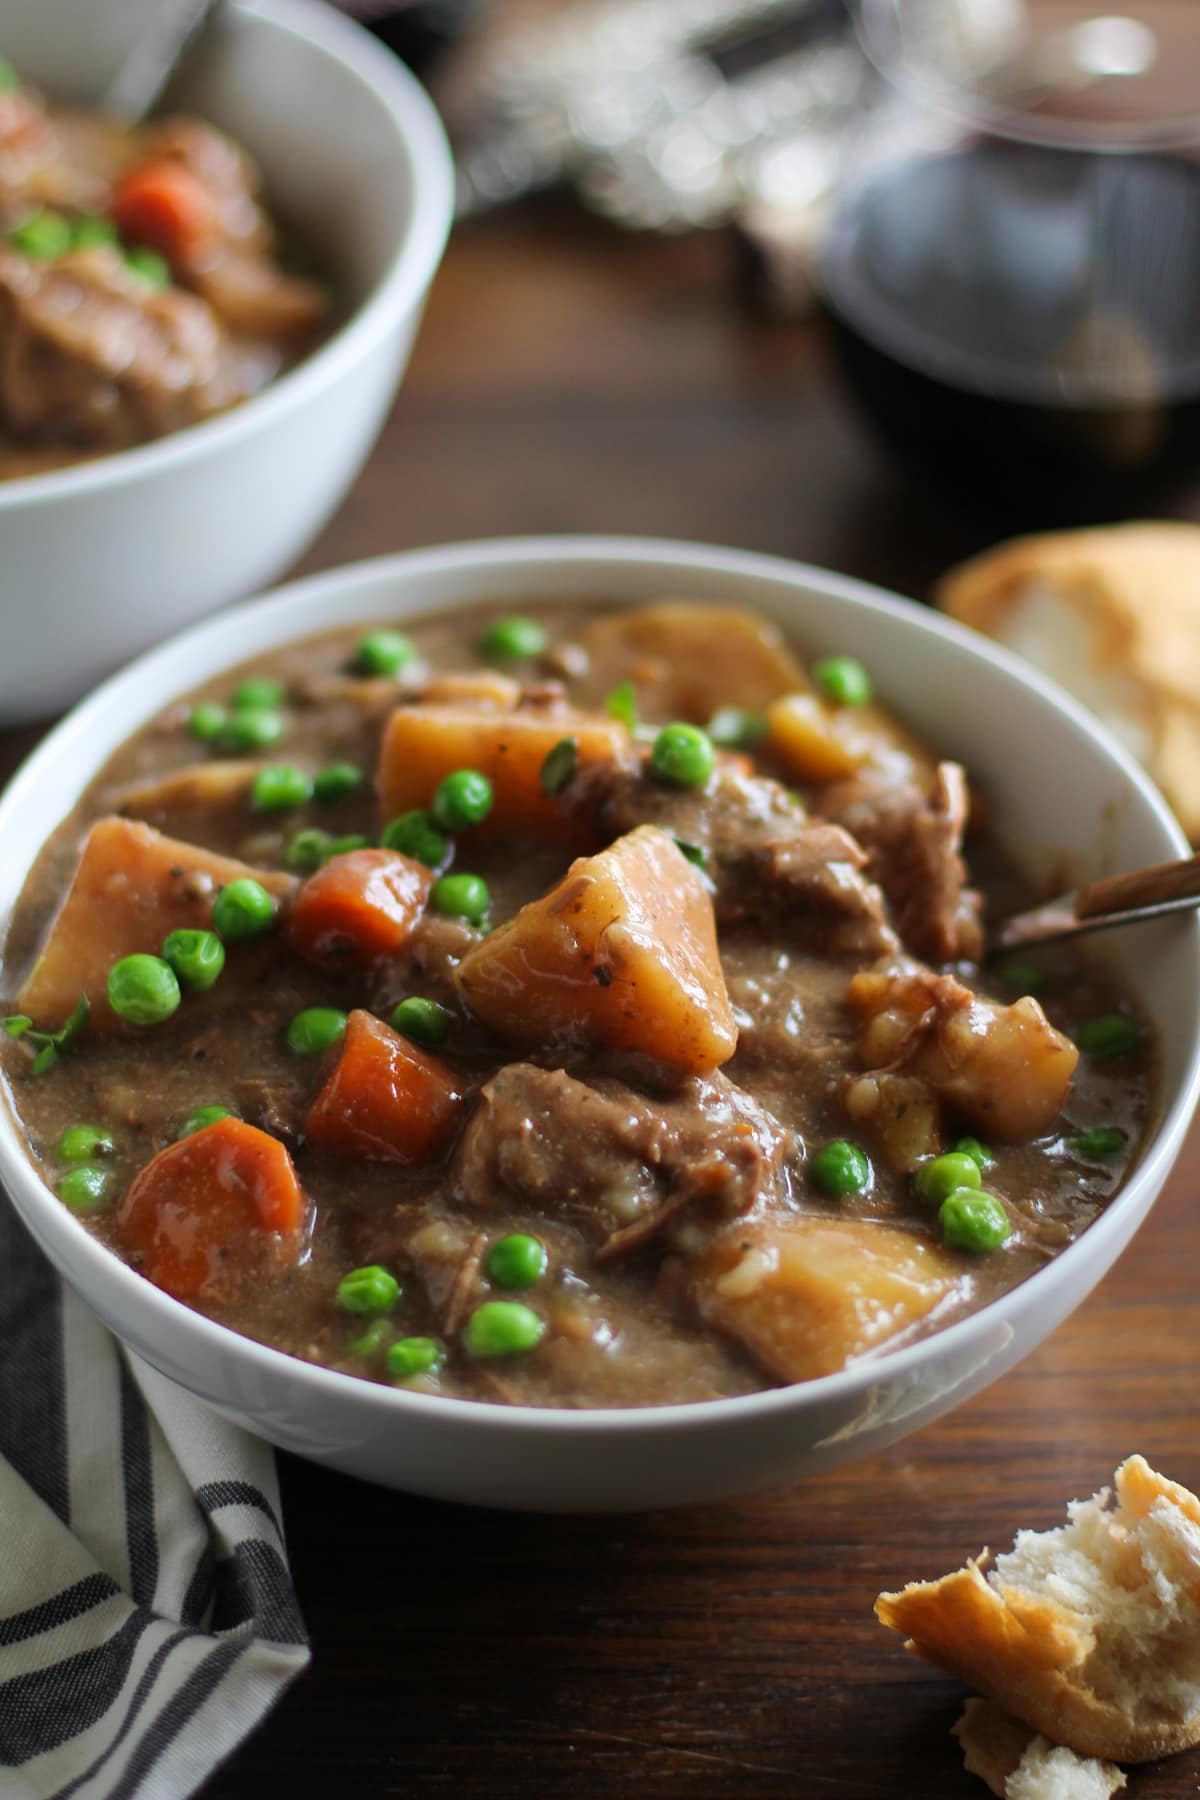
570 379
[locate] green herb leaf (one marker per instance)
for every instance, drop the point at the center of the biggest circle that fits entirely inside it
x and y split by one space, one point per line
45 1059
558 770
622 705
17 1024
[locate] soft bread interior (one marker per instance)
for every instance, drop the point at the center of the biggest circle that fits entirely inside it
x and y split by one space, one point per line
1130 1572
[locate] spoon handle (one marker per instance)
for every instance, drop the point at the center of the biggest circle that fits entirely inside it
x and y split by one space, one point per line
1141 887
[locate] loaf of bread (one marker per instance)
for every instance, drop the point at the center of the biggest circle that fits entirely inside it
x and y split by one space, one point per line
1113 615
1020 1764
1088 1633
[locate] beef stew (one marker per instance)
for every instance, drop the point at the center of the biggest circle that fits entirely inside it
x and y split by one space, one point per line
549 1010
140 286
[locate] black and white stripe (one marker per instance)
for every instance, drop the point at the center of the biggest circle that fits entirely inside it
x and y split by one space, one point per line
147 1619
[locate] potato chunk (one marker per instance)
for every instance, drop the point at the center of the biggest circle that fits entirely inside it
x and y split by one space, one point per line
130 888
807 1296
1004 1068
424 743
687 659
197 788
622 953
817 742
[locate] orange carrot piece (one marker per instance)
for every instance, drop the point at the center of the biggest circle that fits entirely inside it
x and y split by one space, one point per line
167 206
386 1100
208 1208
358 906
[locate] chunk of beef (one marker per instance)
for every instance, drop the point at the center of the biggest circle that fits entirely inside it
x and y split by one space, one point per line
273 1106
618 1163
765 857
91 354
1003 1068
913 838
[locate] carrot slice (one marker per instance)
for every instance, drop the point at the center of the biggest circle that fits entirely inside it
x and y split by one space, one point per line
163 204
386 1100
358 906
210 1207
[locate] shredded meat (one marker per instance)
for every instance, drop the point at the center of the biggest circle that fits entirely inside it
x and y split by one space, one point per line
92 355
618 1163
273 1106
913 839
765 857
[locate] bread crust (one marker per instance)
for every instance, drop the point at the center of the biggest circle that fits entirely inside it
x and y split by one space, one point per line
1027 1654
1137 589
993 1742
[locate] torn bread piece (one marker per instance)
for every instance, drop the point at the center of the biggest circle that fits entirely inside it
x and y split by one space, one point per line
1090 1632
1113 614
1020 1764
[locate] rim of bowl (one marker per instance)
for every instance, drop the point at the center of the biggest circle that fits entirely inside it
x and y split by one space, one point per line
422 143
880 33
340 588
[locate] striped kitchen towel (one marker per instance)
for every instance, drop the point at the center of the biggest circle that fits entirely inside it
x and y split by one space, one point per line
147 1618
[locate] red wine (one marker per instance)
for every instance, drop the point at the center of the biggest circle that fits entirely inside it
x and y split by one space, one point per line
1023 324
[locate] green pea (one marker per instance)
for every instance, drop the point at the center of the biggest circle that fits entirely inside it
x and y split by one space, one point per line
43 235
424 1021
1102 1141
9 79
979 1153
517 639
197 957
622 705
280 789
148 266
368 1290
315 1029
85 1188
414 1356
206 721
337 782
948 1174
308 849
559 767
79 1143
683 755
144 990
503 1328
843 680
972 1219
736 729
415 834
464 798
376 1337
1022 978
461 897
517 1261
90 229
251 728
258 692
384 653
243 910
1111 1035
840 1168
202 1117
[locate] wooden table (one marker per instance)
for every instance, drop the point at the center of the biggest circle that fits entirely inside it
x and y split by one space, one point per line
570 379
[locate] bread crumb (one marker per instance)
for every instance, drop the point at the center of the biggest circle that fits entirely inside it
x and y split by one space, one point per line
1020 1764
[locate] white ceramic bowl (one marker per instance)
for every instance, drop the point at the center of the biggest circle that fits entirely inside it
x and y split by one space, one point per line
104 558
1066 797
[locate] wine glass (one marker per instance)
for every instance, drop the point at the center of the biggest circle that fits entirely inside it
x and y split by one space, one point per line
1011 268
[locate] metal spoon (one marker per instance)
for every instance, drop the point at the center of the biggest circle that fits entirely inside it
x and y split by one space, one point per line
1101 905
144 74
